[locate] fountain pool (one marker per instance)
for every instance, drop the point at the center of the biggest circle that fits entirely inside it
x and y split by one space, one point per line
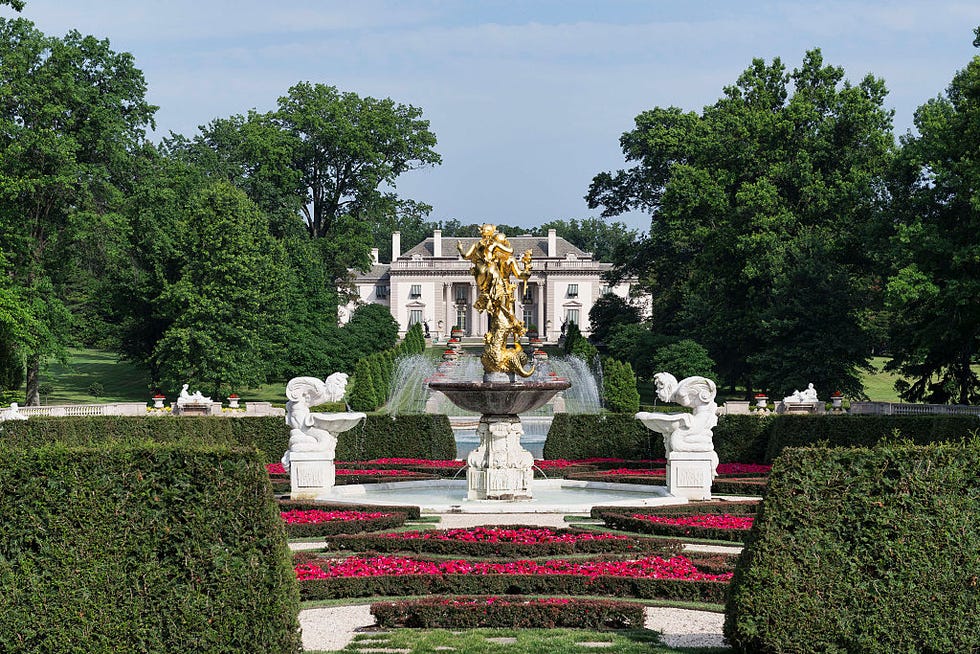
549 496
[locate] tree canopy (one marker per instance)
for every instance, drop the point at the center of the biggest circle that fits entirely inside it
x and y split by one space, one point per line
760 209
934 287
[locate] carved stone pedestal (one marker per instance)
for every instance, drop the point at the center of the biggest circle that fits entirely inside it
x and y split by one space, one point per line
689 475
310 473
499 468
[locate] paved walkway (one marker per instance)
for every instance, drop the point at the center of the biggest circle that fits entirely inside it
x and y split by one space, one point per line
333 628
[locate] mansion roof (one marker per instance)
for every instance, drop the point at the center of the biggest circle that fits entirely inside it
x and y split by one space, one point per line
537 244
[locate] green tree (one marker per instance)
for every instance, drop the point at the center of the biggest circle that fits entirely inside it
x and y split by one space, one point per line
934 288
225 307
603 239
619 387
636 344
608 311
683 358
371 329
72 112
763 208
361 394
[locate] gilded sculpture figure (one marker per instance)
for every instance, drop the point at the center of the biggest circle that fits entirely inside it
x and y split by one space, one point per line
493 265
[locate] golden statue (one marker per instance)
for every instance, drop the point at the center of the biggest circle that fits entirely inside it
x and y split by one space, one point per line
493 265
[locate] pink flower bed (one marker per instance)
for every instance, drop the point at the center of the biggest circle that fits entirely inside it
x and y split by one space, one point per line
275 469
428 463
635 471
654 567
526 536
713 521
377 472
316 516
743 469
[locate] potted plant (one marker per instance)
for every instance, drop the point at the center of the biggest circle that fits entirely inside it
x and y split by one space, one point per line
837 400
761 401
233 401
158 399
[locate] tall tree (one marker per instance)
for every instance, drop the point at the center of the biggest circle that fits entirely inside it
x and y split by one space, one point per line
934 288
225 307
761 209
71 112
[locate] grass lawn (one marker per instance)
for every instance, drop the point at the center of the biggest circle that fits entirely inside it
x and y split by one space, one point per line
518 641
123 381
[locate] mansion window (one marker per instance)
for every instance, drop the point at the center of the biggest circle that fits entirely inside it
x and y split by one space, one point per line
573 290
571 316
415 292
604 289
462 295
381 292
528 297
414 317
461 318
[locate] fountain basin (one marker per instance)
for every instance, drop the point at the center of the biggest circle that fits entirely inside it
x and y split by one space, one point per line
500 398
336 423
549 496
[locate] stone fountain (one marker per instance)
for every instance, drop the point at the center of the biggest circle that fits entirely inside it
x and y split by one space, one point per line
499 468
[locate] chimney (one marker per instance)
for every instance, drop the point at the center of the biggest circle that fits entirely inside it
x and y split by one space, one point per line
437 242
552 243
396 245
374 257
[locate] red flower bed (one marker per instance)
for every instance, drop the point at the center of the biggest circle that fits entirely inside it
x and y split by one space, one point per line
743 469
522 535
635 471
427 463
376 472
316 516
654 567
275 469
713 521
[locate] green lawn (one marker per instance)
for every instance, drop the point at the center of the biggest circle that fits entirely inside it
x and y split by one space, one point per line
126 382
517 641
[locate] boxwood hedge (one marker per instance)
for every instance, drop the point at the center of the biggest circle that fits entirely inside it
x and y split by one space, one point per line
863 550
142 548
380 435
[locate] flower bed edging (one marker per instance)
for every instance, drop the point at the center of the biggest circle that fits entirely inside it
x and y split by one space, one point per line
470 612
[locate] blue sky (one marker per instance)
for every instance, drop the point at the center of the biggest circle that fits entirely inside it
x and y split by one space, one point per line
528 99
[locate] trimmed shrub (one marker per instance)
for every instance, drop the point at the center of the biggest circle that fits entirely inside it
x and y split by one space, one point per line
865 431
741 438
621 435
422 436
863 550
361 395
713 592
462 612
142 548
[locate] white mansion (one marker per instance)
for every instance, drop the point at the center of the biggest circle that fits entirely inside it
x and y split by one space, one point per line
431 284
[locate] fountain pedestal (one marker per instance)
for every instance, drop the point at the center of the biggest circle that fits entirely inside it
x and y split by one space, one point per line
499 468
310 474
689 474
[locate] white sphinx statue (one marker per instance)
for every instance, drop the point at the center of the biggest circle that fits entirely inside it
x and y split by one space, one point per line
188 398
691 457
809 396
12 413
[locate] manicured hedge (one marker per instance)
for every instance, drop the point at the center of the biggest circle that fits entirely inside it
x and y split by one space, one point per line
410 436
583 436
863 550
747 438
865 431
142 548
607 586
419 436
471 612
